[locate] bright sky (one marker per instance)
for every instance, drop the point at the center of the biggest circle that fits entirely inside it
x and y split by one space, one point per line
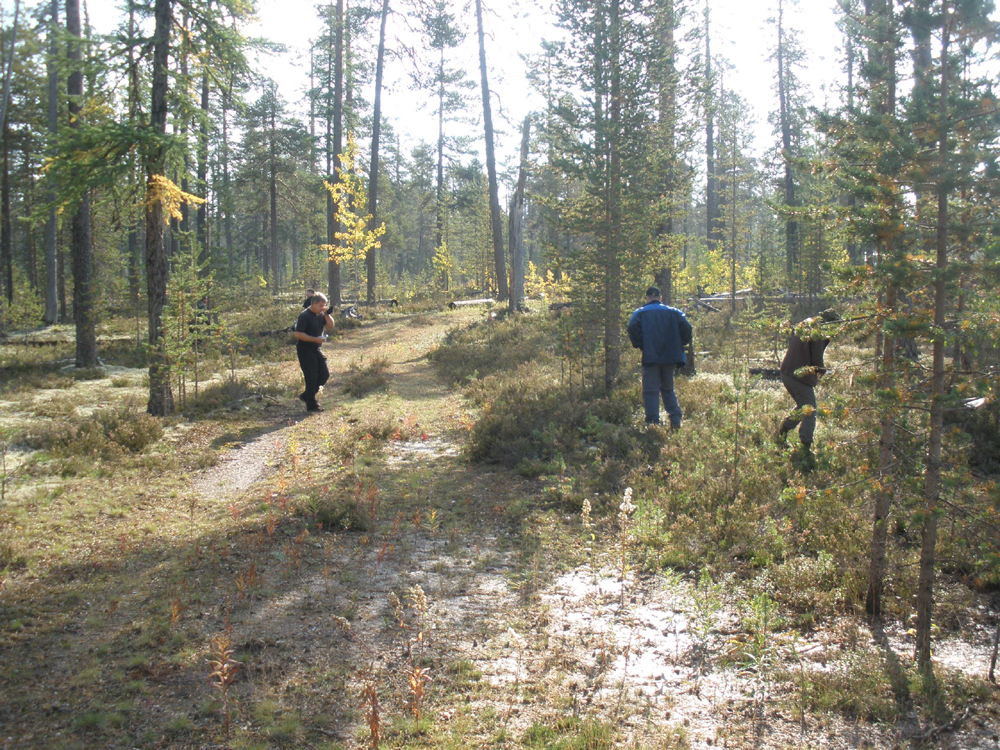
739 33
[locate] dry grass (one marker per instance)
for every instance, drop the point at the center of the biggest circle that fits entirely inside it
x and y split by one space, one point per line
116 592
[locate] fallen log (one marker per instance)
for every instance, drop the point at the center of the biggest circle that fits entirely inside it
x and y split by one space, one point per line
560 306
767 373
466 302
703 304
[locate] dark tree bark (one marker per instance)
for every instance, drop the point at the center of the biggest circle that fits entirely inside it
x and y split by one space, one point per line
272 251
61 281
932 474
713 207
667 113
613 278
6 226
84 315
881 53
491 163
201 216
8 67
52 221
439 186
133 235
161 401
373 172
333 159
29 195
515 233
225 202
791 225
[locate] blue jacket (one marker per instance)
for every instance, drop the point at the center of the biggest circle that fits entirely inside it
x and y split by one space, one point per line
661 332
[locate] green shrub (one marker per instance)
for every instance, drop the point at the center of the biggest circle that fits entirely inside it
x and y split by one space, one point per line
337 512
858 686
539 427
108 434
219 394
570 733
494 346
363 379
87 373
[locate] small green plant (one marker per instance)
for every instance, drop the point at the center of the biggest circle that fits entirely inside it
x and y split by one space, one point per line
339 512
706 599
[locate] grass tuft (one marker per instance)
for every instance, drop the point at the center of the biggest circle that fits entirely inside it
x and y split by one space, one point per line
363 379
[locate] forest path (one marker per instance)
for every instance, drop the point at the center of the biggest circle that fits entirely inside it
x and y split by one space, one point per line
396 339
470 575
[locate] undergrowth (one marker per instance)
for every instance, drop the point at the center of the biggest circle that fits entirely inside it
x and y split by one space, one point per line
108 434
366 377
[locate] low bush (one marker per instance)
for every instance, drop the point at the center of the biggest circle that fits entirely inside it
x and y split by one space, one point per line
539 427
87 373
494 346
363 379
229 392
108 434
337 510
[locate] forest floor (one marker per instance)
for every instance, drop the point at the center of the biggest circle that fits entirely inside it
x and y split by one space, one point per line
357 574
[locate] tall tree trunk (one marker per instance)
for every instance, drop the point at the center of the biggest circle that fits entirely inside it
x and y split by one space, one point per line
52 221
515 230
161 400
613 278
8 68
273 192
734 185
84 315
932 474
491 163
201 216
29 230
791 225
61 281
439 187
184 226
313 166
6 225
881 53
226 200
333 159
373 172
713 209
667 113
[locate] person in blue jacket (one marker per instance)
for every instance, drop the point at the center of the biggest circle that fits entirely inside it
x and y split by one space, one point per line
661 332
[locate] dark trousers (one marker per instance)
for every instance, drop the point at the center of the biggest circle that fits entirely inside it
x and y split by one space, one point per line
315 371
804 414
657 381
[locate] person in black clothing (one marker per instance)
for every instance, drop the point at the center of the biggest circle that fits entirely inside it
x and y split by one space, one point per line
801 369
310 293
310 330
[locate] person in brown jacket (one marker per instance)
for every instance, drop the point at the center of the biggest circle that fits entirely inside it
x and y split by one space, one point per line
801 370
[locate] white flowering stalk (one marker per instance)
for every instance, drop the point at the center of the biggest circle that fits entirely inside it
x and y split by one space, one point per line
627 508
625 511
